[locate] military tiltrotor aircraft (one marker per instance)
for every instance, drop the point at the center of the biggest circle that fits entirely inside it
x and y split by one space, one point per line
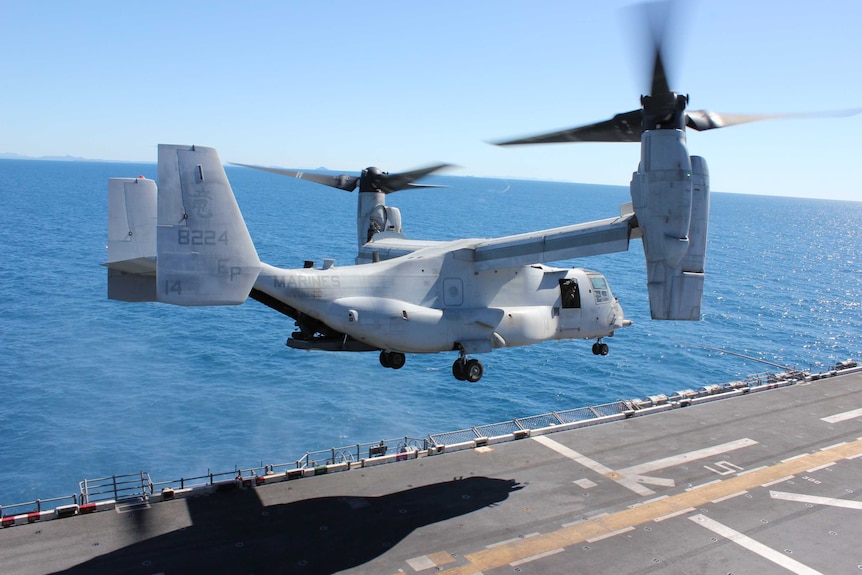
185 243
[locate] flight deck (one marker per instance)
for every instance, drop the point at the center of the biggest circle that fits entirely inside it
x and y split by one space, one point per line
760 481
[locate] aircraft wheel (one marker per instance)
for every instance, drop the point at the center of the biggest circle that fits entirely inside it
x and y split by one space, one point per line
473 370
458 369
596 349
603 348
384 359
397 359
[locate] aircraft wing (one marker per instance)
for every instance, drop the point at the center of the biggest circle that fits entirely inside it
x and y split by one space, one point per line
388 247
569 242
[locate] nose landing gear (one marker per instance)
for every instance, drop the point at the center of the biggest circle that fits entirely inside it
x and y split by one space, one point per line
600 348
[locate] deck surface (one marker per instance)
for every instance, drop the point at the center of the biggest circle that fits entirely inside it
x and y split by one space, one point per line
764 483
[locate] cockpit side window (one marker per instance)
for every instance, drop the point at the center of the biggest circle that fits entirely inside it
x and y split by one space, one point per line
600 289
570 293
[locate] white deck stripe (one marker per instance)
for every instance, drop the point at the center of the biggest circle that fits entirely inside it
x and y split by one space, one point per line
816 500
688 457
754 546
839 417
593 465
421 563
512 540
777 481
534 557
572 454
731 496
674 514
611 534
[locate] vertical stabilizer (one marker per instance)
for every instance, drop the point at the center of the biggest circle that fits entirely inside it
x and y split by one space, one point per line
205 253
132 239
131 219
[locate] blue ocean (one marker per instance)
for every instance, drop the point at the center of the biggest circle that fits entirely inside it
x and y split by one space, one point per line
93 387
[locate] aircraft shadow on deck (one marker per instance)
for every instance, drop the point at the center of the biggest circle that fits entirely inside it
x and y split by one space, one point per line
233 533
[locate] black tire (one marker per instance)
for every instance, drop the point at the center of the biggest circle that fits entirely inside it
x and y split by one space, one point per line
458 370
596 349
603 349
473 370
396 359
384 359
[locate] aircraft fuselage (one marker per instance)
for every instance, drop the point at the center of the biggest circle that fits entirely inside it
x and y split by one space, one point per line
434 300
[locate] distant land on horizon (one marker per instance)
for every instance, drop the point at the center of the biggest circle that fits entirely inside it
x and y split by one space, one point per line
69 158
66 158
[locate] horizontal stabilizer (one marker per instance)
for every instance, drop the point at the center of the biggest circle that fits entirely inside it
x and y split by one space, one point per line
205 253
132 287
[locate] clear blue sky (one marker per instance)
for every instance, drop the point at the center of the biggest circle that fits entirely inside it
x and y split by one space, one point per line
399 84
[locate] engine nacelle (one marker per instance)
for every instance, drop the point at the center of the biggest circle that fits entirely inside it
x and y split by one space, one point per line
670 196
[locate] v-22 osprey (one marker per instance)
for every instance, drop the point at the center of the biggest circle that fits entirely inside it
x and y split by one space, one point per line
185 242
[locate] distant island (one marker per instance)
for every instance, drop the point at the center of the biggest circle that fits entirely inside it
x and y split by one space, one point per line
66 158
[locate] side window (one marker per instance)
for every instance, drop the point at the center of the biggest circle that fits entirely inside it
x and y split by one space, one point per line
600 289
570 294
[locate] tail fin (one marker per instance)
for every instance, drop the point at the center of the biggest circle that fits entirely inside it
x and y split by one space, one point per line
205 255
131 239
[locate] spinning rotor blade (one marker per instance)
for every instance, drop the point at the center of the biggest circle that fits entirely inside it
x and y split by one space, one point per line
624 127
701 120
627 127
662 108
371 180
657 16
342 182
388 183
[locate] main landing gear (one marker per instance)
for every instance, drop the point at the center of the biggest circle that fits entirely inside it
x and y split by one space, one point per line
392 359
600 348
467 369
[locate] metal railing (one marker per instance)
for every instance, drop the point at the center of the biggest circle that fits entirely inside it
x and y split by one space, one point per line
542 421
207 480
139 486
360 451
116 487
35 506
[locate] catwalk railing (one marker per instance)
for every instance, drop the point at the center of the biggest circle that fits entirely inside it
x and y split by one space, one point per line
139 486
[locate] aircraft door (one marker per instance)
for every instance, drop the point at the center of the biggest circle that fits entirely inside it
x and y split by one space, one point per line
570 309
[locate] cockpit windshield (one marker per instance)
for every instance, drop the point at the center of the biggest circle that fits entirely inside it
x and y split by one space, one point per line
600 289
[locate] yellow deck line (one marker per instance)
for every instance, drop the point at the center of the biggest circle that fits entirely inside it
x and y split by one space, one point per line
488 559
